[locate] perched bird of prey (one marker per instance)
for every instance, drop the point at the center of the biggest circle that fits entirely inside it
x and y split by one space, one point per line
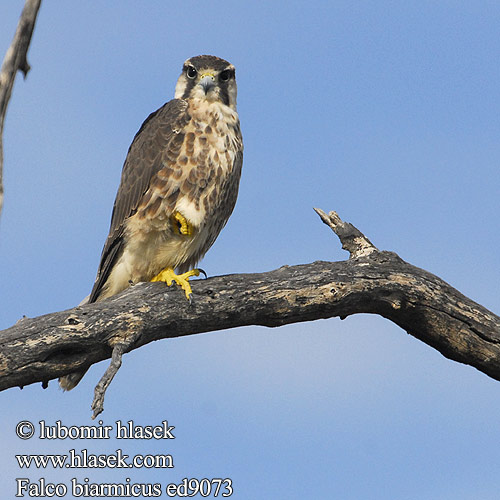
178 187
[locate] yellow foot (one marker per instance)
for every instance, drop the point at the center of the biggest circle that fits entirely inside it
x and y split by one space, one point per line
181 225
168 276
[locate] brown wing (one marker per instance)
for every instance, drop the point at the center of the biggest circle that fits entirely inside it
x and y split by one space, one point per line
144 160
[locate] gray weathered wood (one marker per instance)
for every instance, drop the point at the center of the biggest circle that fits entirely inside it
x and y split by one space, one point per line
15 60
43 348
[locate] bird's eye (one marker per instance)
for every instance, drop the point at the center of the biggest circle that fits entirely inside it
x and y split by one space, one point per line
191 72
224 75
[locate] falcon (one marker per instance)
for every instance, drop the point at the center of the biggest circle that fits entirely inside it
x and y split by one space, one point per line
178 187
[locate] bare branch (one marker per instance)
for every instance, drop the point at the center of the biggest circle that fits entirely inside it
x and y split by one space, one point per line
116 362
352 239
371 281
15 59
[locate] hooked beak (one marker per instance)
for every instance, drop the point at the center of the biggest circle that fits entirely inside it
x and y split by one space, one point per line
207 82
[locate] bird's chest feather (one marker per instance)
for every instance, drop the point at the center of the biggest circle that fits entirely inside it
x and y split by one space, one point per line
199 179
212 141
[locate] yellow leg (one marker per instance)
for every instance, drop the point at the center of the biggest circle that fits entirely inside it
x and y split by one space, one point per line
168 276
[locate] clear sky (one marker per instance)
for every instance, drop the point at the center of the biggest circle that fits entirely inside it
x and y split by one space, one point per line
387 112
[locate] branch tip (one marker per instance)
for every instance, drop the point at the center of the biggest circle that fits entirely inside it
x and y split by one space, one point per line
352 239
101 387
116 362
15 60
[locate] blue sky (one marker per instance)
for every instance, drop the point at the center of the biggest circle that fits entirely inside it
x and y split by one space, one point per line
387 112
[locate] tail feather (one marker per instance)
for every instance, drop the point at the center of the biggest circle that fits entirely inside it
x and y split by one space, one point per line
70 381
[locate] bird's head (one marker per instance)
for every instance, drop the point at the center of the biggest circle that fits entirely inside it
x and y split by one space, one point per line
209 78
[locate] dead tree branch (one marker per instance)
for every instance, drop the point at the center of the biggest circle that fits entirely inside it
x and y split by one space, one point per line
15 59
371 281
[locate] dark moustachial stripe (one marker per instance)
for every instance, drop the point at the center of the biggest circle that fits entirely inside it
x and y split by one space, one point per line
207 62
223 94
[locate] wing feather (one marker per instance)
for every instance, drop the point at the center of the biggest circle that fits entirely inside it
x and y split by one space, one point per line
143 161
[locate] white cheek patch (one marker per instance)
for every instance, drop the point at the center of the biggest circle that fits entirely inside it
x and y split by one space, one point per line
180 87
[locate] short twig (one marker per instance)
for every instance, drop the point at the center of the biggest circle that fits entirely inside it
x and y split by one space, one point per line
352 239
116 362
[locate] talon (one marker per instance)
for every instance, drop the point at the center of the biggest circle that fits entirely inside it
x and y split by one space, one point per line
203 272
168 276
181 225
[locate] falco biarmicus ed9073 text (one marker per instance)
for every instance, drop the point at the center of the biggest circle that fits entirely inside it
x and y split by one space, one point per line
178 187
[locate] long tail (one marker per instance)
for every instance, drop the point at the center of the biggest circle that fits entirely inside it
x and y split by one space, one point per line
70 381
